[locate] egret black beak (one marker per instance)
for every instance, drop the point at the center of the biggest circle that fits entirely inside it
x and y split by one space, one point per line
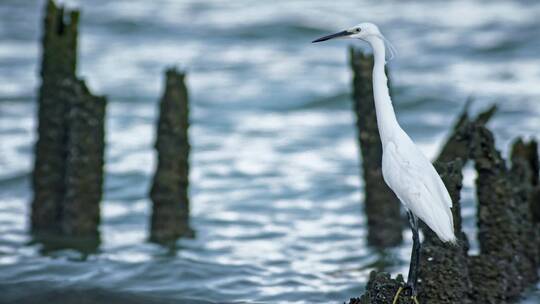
336 35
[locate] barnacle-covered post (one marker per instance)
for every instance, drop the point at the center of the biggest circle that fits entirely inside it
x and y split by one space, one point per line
58 64
382 207
84 162
68 171
498 272
524 174
169 193
383 289
458 144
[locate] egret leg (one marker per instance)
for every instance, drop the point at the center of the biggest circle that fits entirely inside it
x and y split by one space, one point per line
415 255
412 278
396 296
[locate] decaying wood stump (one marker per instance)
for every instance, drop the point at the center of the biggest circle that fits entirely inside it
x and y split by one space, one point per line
381 289
169 193
502 261
527 153
58 65
524 174
382 207
84 162
68 171
458 144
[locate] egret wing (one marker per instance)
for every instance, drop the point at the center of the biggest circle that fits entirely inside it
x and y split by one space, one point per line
419 187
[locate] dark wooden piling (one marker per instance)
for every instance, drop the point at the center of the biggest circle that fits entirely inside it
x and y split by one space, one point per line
381 289
443 274
524 175
458 144
382 207
169 193
59 57
498 273
84 162
68 171
526 155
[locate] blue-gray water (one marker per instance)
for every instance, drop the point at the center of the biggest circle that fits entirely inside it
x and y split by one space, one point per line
276 193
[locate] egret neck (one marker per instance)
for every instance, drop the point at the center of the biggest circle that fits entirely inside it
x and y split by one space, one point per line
386 118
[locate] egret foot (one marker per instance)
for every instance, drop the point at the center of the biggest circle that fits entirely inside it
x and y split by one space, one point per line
413 293
397 295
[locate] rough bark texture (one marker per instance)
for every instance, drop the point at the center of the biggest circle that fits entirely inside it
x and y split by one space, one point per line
381 289
443 274
502 261
524 174
528 153
490 279
381 205
84 162
57 68
68 172
169 193
458 144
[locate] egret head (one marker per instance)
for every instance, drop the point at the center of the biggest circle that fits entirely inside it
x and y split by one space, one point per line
363 31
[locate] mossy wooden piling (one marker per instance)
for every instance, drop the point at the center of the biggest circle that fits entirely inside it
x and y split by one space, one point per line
58 64
381 206
525 157
458 144
84 162
382 289
499 226
169 192
524 177
68 169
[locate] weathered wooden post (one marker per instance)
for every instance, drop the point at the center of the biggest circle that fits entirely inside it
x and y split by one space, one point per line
458 144
497 273
524 174
527 154
382 289
169 193
68 171
84 162
382 207
59 58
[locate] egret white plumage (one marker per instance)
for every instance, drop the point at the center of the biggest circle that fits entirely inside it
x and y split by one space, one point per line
405 169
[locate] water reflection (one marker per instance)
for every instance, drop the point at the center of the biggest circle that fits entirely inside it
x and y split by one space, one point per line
75 248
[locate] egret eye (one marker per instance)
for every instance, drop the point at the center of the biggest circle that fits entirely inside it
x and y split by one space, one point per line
357 30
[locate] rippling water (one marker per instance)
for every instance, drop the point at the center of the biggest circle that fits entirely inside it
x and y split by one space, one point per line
276 193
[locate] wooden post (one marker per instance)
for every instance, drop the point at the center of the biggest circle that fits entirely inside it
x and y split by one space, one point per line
84 163
382 289
524 174
458 144
58 65
169 193
497 274
68 171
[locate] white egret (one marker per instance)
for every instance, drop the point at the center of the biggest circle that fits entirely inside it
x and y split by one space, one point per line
405 169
